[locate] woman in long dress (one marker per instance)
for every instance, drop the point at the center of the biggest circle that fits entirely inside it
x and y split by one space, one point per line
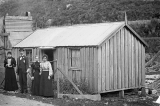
35 71
10 77
46 73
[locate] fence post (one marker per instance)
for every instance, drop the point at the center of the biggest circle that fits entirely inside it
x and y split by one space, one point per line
57 80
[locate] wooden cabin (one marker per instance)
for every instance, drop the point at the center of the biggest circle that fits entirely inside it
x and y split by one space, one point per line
13 29
107 56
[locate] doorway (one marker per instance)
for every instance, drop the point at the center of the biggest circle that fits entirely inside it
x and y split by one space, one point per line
49 53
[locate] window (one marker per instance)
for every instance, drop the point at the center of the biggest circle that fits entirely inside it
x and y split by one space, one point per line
29 55
75 58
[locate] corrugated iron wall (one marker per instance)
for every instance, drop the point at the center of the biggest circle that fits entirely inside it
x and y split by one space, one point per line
121 62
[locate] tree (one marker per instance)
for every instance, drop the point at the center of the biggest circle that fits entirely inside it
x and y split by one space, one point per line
9 7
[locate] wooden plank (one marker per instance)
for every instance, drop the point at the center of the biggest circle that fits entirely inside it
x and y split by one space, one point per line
122 59
34 54
82 64
111 64
58 85
40 54
99 69
103 66
136 59
126 58
115 79
119 60
69 63
107 66
66 61
63 60
95 70
133 62
143 65
85 77
92 68
87 65
139 63
130 59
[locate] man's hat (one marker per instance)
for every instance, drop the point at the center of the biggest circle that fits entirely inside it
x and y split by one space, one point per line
21 49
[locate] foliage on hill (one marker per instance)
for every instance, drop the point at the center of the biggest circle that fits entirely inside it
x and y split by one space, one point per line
67 12
63 12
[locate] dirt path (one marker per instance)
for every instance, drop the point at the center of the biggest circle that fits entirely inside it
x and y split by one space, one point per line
16 101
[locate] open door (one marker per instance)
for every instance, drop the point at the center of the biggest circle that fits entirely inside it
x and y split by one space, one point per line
50 54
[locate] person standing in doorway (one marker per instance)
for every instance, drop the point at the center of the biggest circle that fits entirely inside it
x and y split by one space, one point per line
22 66
10 77
46 73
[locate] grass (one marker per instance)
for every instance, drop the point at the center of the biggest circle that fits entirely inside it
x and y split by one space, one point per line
67 88
132 100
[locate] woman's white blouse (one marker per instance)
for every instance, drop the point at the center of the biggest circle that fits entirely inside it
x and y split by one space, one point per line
46 66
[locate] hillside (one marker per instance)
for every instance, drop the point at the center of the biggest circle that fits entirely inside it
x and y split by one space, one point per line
64 12
67 12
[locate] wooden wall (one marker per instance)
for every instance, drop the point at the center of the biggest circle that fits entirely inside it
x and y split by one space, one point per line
121 62
87 66
117 64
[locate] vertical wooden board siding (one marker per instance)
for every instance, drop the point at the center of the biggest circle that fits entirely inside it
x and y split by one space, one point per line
103 66
139 63
40 54
115 62
126 58
78 64
99 69
84 52
95 70
130 59
88 61
136 62
91 67
34 54
111 64
119 60
122 59
59 61
37 52
55 64
86 64
69 64
65 61
133 62
81 60
143 65
82 63
107 66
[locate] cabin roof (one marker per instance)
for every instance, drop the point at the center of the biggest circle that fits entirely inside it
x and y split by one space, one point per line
76 35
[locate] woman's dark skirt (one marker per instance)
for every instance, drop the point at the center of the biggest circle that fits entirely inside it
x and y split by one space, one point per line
45 85
36 84
10 80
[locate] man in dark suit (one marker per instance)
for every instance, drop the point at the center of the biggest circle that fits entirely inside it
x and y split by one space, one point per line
22 66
